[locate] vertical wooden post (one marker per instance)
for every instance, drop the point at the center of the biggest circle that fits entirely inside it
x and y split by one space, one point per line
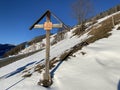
47 48
47 54
47 81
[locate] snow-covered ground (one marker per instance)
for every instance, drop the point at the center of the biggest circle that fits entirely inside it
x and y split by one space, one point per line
98 69
56 50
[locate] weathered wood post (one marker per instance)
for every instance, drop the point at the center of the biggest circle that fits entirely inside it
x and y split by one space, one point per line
47 81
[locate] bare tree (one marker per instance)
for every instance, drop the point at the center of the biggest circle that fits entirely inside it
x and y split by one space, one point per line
82 10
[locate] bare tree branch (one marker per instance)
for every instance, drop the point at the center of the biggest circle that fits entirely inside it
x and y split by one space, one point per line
82 10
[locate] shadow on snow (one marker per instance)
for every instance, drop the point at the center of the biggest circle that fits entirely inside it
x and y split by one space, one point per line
56 67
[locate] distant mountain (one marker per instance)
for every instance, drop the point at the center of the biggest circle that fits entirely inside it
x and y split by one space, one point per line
4 48
23 45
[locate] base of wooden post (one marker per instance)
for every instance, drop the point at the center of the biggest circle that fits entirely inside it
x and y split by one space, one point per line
44 82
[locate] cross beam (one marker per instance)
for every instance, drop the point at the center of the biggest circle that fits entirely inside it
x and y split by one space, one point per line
53 26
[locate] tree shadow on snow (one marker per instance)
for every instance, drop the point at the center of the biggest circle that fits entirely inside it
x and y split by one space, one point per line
20 69
17 70
118 88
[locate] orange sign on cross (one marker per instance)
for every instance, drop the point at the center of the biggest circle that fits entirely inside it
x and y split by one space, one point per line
48 25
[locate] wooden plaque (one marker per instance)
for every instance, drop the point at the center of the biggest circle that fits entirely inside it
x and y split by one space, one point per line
48 25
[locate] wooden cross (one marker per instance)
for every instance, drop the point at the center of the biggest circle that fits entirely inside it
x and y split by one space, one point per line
48 25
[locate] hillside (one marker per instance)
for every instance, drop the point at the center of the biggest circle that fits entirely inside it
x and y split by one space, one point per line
88 60
98 69
18 49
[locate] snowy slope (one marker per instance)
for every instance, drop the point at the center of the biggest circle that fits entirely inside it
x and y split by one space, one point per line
56 50
98 69
102 19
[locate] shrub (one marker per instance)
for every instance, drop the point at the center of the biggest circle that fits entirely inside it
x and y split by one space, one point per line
118 28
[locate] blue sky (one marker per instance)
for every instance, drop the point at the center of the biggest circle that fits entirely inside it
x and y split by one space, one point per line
16 16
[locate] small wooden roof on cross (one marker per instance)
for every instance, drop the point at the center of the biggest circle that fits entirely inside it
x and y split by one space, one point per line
48 11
